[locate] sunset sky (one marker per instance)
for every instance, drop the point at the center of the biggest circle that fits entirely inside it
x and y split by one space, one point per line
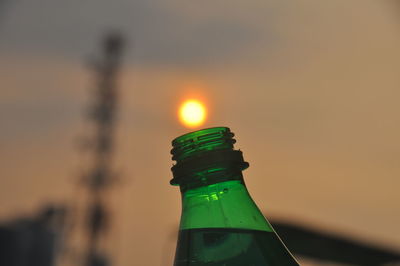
311 89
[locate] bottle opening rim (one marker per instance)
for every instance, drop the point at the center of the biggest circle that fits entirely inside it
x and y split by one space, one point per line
202 140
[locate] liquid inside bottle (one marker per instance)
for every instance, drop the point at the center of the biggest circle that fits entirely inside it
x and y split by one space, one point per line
230 247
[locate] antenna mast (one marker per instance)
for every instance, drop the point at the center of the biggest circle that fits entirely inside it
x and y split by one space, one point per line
101 175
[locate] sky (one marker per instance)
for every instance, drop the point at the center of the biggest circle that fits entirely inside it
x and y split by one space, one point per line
310 88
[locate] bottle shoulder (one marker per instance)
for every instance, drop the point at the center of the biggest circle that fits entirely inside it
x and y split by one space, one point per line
222 205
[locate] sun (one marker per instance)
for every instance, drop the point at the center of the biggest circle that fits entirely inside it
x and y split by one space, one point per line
192 113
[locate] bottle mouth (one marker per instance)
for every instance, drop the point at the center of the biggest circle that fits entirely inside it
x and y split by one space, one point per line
197 142
205 156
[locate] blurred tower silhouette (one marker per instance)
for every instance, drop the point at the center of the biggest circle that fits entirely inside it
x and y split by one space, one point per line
101 175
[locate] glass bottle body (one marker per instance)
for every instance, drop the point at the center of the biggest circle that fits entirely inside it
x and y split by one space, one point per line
222 226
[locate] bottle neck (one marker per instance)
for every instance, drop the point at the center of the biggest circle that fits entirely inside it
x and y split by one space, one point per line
208 171
206 157
224 204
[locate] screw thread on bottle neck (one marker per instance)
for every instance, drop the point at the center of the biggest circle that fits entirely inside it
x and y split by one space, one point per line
206 157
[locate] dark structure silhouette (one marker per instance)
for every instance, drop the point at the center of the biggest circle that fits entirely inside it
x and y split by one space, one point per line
32 241
332 247
101 176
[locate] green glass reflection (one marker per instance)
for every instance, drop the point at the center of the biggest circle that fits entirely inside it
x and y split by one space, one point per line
224 204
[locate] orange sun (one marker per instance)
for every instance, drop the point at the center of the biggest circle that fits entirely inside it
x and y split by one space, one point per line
192 113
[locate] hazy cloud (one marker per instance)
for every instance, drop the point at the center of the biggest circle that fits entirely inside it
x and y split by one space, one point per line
160 33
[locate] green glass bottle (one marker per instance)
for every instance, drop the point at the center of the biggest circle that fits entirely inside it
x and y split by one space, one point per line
220 223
